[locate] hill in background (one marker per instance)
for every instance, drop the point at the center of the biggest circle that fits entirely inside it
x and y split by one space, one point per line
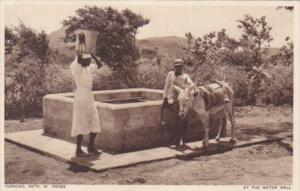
167 48
57 44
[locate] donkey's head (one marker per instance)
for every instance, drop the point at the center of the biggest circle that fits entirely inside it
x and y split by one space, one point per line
185 99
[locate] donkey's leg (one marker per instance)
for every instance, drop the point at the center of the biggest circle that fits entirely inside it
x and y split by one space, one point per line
206 128
224 125
229 108
221 119
183 130
220 129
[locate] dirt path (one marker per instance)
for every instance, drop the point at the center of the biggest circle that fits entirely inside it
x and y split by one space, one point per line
259 164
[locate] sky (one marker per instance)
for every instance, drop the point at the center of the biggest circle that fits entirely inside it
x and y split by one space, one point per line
166 19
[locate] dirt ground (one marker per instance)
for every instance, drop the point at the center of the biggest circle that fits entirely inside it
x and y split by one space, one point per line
269 163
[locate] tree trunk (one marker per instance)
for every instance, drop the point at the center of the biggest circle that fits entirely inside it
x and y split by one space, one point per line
251 90
22 105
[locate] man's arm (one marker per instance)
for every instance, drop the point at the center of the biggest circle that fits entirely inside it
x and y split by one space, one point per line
167 85
189 81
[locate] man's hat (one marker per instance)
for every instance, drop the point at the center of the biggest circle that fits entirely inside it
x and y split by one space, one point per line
178 62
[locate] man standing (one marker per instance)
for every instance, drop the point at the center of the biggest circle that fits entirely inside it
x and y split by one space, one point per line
176 82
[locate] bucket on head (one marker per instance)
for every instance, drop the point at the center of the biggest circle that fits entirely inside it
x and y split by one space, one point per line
86 41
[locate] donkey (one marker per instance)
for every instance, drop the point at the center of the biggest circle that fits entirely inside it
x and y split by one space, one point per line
194 98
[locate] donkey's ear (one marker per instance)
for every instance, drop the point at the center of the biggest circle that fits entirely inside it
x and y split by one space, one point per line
195 93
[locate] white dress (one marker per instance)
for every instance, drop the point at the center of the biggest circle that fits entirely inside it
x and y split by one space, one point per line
85 114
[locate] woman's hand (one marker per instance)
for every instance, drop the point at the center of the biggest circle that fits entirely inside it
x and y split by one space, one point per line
99 64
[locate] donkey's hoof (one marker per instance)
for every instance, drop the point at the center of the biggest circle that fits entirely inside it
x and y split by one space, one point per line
205 143
232 141
218 139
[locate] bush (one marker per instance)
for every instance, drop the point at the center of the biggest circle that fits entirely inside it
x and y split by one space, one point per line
25 85
236 77
146 75
59 79
150 75
278 89
54 79
239 81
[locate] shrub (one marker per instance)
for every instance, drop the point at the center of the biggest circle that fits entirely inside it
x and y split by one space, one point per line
59 79
278 89
150 75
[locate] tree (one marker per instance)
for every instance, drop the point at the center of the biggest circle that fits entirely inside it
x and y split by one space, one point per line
189 37
10 40
277 84
117 31
25 67
30 42
217 56
255 38
255 43
286 54
215 49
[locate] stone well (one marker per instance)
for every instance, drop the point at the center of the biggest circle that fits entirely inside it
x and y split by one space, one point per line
129 119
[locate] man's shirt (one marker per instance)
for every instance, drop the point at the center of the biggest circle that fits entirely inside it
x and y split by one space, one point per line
176 83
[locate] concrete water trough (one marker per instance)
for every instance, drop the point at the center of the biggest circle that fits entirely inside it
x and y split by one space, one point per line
130 119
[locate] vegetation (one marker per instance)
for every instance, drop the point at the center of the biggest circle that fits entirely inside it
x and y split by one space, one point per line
117 31
218 56
30 72
33 69
26 55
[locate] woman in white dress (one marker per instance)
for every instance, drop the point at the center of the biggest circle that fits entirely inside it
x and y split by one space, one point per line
85 114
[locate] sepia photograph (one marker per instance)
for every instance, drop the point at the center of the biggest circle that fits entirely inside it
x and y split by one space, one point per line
165 93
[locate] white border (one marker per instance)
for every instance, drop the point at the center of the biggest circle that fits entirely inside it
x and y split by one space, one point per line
2 96
296 112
